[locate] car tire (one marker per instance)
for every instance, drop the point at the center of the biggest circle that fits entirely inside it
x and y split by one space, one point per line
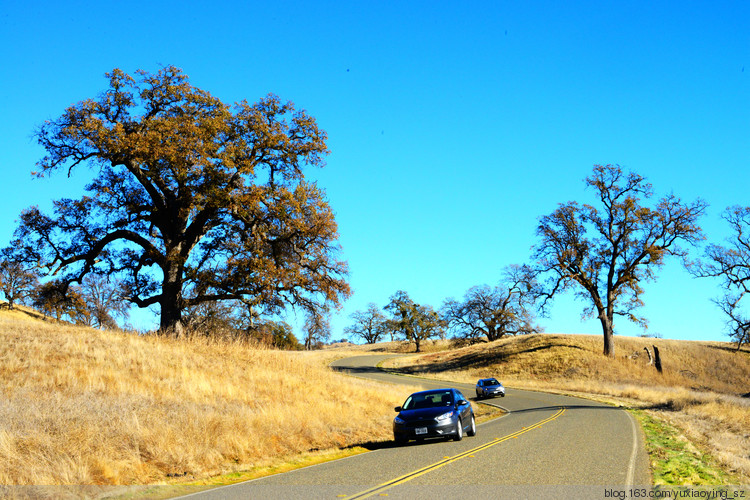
459 431
473 429
400 440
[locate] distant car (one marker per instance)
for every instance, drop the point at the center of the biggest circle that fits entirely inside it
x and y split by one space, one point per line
434 413
490 387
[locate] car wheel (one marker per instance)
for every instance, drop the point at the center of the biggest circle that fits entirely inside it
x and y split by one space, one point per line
400 440
459 431
473 429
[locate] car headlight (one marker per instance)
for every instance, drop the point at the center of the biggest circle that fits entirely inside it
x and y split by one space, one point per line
444 416
399 420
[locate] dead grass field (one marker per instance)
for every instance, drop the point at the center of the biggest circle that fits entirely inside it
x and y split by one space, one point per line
700 390
81 406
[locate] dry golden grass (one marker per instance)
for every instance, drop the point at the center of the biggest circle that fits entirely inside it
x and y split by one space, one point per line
81 406
700 390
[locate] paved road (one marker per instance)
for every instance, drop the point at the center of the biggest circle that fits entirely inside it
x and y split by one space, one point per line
548 446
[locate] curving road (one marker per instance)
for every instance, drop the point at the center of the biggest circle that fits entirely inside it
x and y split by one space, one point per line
548 446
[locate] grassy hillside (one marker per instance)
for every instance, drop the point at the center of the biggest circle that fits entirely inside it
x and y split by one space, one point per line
703 389
81 406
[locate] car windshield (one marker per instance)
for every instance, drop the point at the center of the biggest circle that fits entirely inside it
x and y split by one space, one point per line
428 400
491 381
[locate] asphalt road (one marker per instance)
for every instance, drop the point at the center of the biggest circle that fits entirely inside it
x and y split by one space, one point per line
547 446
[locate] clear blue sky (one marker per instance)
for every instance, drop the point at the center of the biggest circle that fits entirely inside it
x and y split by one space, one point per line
453 126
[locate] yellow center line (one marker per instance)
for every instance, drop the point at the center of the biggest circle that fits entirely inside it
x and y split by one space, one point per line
408 477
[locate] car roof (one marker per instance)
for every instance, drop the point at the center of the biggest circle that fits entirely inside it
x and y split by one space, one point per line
433 391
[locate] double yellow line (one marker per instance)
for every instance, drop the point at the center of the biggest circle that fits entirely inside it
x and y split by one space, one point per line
408 477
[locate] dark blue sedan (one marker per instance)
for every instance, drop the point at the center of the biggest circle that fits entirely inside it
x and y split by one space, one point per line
436 413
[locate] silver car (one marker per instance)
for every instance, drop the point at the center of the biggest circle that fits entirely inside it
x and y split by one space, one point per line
489 388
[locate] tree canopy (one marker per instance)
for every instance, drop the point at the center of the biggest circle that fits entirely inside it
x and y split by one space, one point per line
192 200
606 253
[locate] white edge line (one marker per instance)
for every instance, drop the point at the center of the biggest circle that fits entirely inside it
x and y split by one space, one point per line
634 452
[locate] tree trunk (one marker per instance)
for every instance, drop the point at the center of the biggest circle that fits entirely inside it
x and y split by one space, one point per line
171 319
171 302
609 339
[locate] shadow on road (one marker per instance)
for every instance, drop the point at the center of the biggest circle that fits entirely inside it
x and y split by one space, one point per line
384 445
357 369
566 407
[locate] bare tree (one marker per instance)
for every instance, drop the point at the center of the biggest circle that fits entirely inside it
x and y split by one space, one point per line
368 324
106 300
491 313
607 253
731 263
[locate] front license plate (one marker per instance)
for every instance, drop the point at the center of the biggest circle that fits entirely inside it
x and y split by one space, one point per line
420 430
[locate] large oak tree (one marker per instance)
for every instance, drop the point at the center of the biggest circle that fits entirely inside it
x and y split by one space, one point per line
605 254
192 200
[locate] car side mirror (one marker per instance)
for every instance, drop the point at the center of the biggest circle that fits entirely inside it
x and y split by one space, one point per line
398 408
462 402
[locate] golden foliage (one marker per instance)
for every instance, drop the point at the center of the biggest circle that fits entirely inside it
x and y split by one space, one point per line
193 200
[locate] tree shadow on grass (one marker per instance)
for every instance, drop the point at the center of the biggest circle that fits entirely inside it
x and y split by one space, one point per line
477 360
731 349
4 306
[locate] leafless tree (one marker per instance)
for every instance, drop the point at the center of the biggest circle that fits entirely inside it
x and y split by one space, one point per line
731 264
492 313
105 299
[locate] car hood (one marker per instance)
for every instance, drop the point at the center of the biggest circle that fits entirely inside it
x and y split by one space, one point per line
493 386
424 413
